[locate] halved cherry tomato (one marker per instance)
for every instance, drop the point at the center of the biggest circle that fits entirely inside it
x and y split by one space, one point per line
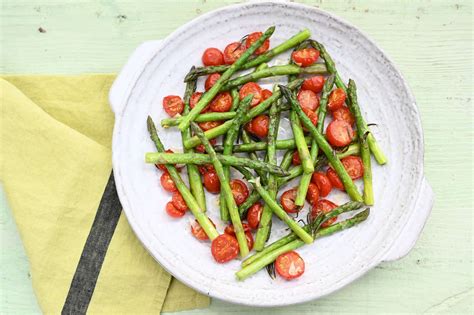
254 89
224 248
232 52
221 103
252 38
339 133
201 149
305 57
308 99
258 126
198 231
173 105
289 265
296 158
209 125
206 168
314 84
324 206
211 80
212 57
173 211
287 201
239 191
249 237
312 116
354 166
211 182
312 195
334 179
179 202
323 183
266 94
336 99
345 114
254 214
195 99
162 166
167 183
229 229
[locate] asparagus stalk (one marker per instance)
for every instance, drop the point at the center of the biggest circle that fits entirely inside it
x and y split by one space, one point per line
306 178
287 144
226 190
193 205
270 257
209 95
229 140
264 226
195 183
201 159
270 201
267 56
286 160
301 145
349 206
273 71
255 111
362 132
331 67
252 155
325 147
261 67
235 101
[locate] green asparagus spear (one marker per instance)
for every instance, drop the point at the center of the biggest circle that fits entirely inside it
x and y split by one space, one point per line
188 197
235 101
252 155
226 190
286 160
305 157
213 116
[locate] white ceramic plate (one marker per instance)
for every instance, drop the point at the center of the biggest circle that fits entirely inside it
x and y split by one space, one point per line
403 197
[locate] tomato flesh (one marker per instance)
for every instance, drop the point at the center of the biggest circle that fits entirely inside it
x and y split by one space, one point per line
336 99
173 105
221 103
178 202
323 183
322 207
334 179
314 84
254 89
252 38
212 57
289 265
305 57
198 232
224 248
266 94
344 114
354 166
209 125
308 99
339 133
259 126
239 191
287 201
296 158
254 214
312 194
232 52
195 99
173 212
312 116
211 182
211 80
167 183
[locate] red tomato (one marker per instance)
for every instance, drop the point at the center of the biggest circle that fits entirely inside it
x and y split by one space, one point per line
198 231
229 229
314 84
195 99
172 211
239 191
308 99
324 206
323 183
209 125
334 179
201 149
173 105
254 214
211 182
224 248
254 89
354 166
211 80
312 116
221 103
212 57
339 133
305 57
266 94
296 158
206 168
336 99
344 114
179 202
289 265
167 183
287 200
259 126
252 38
162 166
232 52
312 195
249 237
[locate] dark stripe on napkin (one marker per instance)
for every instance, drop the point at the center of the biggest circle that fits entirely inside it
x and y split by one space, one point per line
93 254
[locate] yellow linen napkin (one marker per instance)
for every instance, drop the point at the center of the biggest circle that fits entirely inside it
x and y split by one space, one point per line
56 162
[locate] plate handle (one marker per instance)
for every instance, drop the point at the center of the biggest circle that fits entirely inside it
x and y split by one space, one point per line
130 73
413 228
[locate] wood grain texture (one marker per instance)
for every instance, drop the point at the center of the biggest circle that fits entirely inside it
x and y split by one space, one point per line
431 43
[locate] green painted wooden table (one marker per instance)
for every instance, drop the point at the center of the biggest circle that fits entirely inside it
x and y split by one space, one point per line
430 41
